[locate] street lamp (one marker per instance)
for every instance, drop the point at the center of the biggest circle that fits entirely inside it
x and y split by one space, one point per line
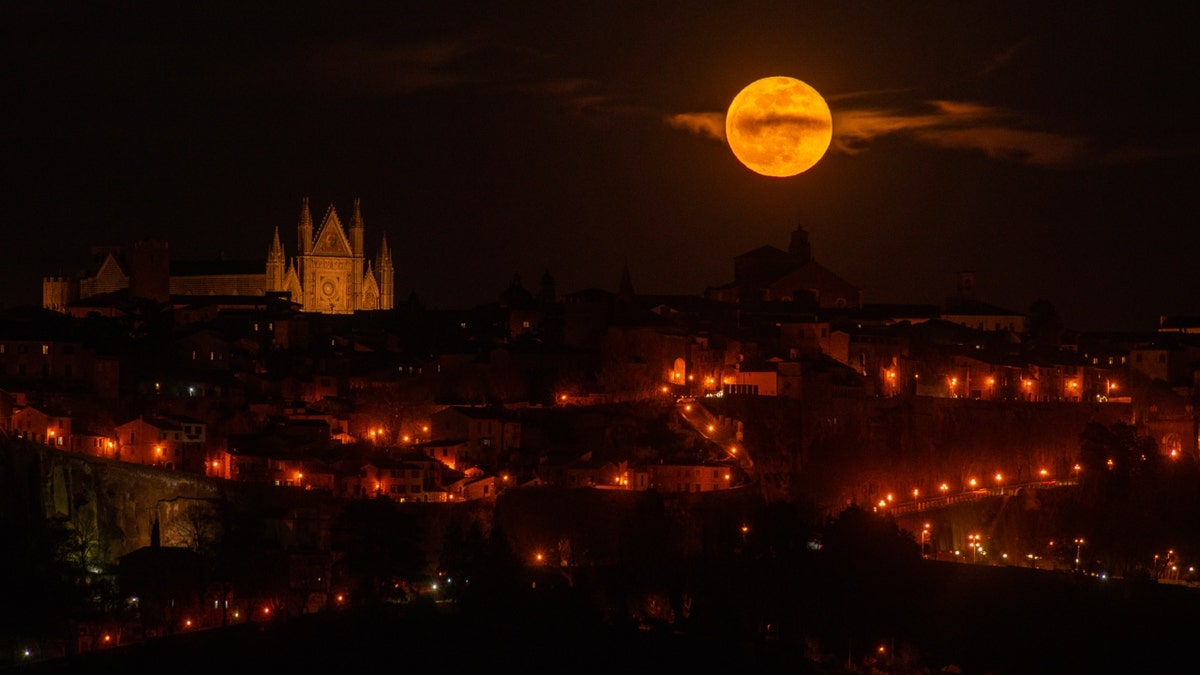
973 539
1078 545
924 536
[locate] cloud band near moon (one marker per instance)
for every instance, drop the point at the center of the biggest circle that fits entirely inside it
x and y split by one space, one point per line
946 124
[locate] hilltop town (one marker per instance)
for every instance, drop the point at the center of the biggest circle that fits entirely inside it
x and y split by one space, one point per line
153 407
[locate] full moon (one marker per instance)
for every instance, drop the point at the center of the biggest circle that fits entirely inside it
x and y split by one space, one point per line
778 126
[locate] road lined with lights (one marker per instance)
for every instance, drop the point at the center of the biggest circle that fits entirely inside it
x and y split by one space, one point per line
708 426
942 500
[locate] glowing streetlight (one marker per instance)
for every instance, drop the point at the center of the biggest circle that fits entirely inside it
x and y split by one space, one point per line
1079 542
973 540
924 536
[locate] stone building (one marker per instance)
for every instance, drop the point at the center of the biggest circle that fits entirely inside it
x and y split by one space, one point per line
330 273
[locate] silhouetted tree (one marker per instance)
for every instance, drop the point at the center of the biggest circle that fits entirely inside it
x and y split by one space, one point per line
381 547
1043 327
861 538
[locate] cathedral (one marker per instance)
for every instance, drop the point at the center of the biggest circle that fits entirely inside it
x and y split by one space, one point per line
330 272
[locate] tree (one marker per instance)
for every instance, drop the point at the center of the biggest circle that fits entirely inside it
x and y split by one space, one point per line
1044 328
382 548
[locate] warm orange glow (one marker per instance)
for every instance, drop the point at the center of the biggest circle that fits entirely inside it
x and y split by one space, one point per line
778 126
944 487
971 482
665 389
999 478
1043 473
916 492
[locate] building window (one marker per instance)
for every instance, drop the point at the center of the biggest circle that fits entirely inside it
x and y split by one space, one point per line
45 349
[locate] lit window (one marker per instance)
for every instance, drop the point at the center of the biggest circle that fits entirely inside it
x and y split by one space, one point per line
45 349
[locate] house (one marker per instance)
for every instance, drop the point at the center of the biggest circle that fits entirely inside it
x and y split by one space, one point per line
584 472
397 480
768 274
450 452
488 431
154 441
690 477
964 309
42 425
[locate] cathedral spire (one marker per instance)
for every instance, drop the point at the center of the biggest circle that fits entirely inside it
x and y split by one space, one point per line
385 253
625 289
276 251
356 228
385 274
275 260
304 228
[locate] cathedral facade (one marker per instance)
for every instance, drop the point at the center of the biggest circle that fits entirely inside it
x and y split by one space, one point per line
330 272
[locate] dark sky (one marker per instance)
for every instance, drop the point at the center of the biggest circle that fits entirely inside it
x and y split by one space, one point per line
1051 150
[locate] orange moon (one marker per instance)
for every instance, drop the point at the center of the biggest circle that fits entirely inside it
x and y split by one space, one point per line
778 126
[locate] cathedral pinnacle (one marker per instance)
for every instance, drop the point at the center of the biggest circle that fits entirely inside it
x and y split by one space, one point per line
276 252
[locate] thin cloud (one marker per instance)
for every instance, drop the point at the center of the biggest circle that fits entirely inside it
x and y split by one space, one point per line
363 68
1001 60
706 124
957 125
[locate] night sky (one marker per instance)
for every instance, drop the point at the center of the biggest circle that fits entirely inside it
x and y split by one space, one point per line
1051 150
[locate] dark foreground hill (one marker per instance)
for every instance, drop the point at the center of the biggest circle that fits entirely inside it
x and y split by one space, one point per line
778 616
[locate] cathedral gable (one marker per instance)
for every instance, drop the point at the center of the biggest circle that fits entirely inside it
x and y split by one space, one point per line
332 238
370 291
